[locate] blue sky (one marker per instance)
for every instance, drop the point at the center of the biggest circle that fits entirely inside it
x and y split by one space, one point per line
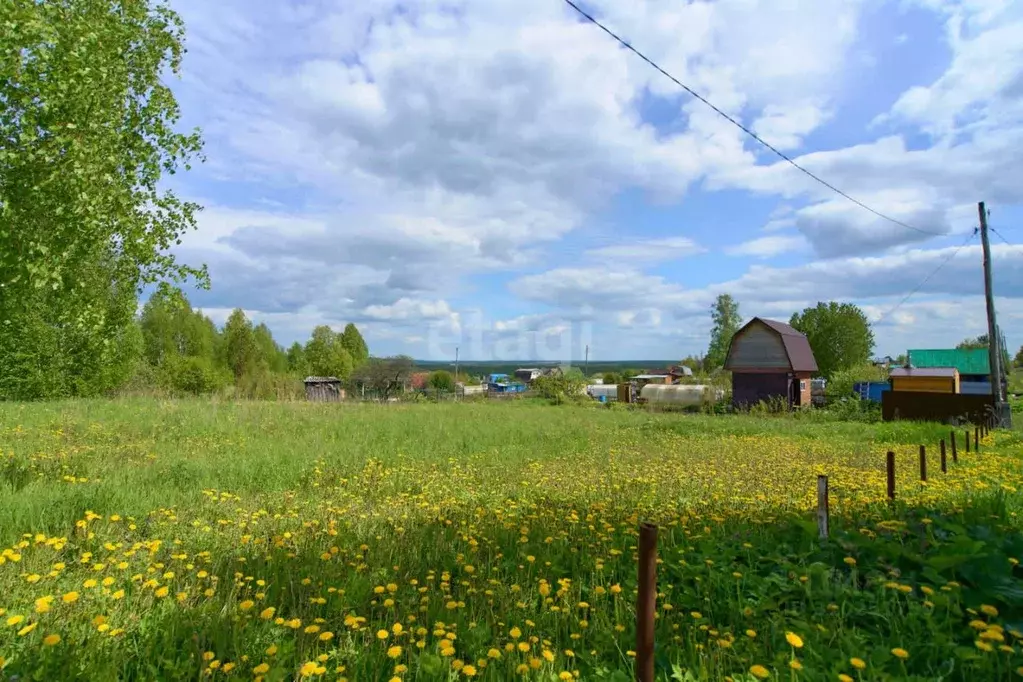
501 176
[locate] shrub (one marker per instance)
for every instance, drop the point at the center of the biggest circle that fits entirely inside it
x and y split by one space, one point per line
441 380
194 375
560 389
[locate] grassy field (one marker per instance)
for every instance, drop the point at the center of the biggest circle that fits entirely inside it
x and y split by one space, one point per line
193 540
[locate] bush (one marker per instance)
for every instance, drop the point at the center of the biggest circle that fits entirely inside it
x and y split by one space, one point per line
194 375
441 380
560 389
841 383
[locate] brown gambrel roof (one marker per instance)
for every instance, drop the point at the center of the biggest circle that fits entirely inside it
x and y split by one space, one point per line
797 348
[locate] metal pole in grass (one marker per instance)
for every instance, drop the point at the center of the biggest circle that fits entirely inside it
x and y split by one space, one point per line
822 506
890 468
944 462
955 455
923 463
647 603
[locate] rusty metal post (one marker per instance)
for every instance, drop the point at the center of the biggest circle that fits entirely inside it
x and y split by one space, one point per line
923 463
944 462
890 467
823 519
955 455
647 603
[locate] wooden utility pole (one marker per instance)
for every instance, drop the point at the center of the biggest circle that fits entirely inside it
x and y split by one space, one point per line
1003 417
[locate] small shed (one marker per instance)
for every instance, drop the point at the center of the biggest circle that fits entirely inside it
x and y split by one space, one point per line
770 360
324 389
925 379
644 379
527 374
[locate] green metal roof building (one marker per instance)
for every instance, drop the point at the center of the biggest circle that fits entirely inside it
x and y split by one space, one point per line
969 361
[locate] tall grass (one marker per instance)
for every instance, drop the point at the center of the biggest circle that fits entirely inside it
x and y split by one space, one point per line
499 538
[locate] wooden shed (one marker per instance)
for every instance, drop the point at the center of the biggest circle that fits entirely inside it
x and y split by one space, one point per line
324 389
770 360
925 379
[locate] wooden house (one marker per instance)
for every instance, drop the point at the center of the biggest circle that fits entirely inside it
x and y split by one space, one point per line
324 389
770 360
925 379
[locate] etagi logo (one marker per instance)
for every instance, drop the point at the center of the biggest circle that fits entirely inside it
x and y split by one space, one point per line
540 339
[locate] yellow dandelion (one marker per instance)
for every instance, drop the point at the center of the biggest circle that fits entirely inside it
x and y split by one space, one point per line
759 672
51 640
794 640
898 652
858 663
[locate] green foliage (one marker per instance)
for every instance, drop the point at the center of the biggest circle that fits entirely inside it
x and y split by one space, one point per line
839 335
840 385
195 375
326 355
441 380
352 341
241 355
727 321
695 363
86 138
384 377
560 388
613 378
44 354
171 328
296 360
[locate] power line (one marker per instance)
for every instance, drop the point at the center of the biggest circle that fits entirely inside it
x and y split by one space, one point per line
926 279
741 127
999 235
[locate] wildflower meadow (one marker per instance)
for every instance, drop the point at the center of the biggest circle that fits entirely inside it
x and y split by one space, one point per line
195 540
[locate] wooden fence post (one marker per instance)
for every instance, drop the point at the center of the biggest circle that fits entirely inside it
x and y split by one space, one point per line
890 468
923 463
966 434
944 462
647 604
955 455
976 439
822 506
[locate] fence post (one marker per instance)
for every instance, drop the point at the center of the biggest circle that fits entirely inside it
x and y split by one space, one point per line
822 506
890 468
955 455
976 439
647 604
923 463
966 434
944 462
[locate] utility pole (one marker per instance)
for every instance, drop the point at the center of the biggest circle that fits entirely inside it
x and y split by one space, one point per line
1003 416
586 362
